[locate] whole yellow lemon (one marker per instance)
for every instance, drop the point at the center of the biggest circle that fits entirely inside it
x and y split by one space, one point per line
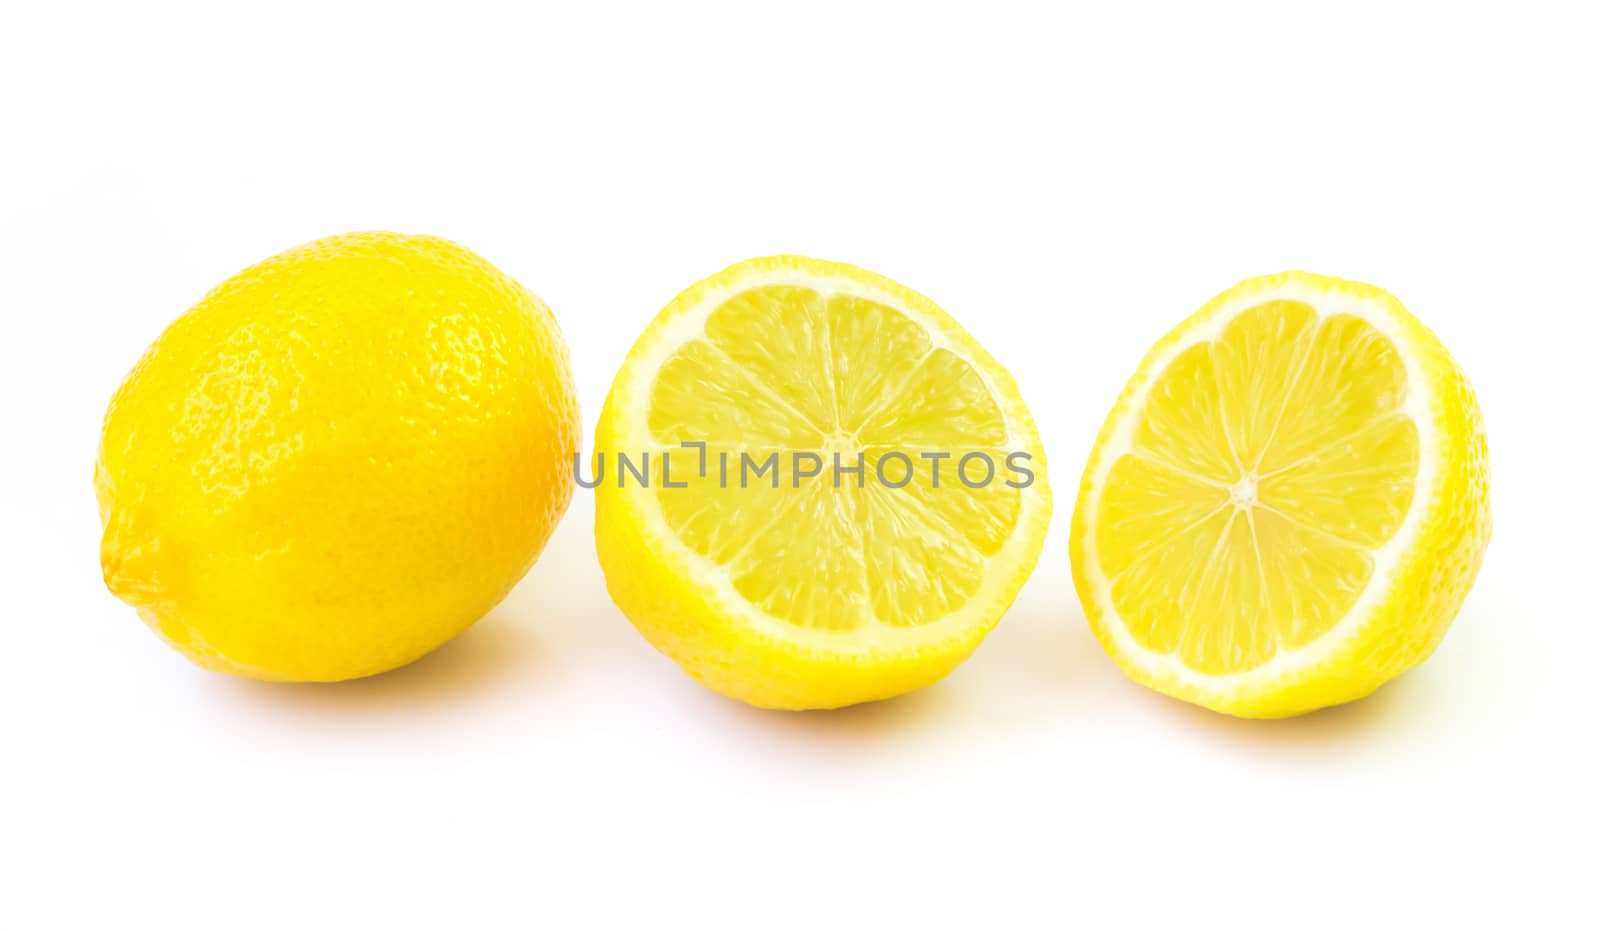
339 459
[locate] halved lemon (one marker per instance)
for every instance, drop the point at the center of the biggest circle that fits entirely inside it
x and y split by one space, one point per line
793 547
1288 503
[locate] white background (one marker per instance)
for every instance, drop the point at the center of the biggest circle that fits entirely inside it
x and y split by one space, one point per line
1069 181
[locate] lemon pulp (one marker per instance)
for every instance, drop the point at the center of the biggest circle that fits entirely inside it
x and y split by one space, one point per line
783 370
1269 464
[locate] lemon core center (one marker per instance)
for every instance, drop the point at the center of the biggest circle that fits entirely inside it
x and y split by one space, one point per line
1242 494
843 445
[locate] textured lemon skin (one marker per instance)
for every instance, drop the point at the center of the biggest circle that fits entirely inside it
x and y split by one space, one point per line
1431 580
339 459
652 579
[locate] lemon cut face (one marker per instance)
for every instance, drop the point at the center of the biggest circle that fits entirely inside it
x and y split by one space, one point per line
1288 503
795 548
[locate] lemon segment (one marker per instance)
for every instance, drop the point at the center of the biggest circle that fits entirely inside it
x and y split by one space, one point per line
810 557
1288 503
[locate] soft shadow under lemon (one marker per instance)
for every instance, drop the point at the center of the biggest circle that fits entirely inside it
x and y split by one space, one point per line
1400 705
493 654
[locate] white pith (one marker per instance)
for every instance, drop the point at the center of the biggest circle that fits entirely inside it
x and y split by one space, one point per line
1419 406
1003 573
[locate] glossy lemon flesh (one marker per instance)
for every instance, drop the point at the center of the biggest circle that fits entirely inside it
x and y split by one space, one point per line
862 581
1288 503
